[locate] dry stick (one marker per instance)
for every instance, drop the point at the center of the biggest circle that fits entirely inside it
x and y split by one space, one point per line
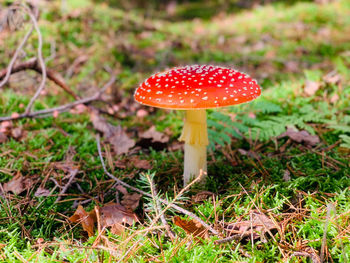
62 108
41 61
159 208
176 207
32 64
72 175
13 60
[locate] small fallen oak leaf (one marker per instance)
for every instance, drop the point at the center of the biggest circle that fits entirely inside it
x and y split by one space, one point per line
192 227
332 78
311 87
300 136
42 192
133 161
116 216
87 220
114 134
140 164
131 201
153 138
256 227
202 196
17 133
18 184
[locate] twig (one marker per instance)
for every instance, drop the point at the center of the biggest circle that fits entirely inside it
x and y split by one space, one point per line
41 61
32 64
174 206
159 208
72 175
13 60
62 108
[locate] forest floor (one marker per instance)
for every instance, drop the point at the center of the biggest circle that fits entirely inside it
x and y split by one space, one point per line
278 167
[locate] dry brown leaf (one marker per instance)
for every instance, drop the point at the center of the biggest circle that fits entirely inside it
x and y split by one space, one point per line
310 253
202 196
332 78
42 192
17 133
192 227
116 216
86 219
3 137
334 98
311 87
131 201
300 136
122 189
18 184
140 164
133 161
256 227
154 135
114 134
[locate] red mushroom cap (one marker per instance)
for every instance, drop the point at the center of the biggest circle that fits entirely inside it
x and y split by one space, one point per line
197 87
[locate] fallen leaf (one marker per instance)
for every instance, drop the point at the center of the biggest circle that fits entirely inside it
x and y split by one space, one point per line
18 184
87 220
114 134
133 161
249 153
311 87
334 98
42 192
202 196
300 136
192 227
310 253
152 138
154 135
121 189
3 137
332 78
5 126
16 133
122 164
256 227
131 201
139 163
286 176
116 216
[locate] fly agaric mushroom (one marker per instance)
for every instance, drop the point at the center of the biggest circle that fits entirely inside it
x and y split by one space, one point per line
195 89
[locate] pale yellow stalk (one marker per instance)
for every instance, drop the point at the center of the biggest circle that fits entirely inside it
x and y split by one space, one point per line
195 136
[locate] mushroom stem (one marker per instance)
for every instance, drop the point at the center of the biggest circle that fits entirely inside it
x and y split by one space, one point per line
195 136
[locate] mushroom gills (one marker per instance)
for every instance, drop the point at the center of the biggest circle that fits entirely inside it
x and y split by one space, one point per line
195 136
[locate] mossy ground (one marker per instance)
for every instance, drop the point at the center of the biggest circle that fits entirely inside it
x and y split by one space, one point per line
283 45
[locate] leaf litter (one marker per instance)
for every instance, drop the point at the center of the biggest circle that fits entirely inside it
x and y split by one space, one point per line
112 215
302 136
18 184
115 135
